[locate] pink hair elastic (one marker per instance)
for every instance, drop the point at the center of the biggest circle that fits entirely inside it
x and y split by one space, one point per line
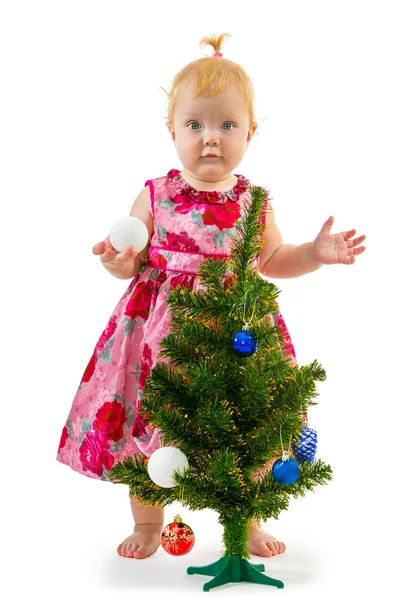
217 54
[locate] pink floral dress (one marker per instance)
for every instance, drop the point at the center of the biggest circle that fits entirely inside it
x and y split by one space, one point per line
103 426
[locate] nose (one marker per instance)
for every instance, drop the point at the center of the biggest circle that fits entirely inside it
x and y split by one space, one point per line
210 137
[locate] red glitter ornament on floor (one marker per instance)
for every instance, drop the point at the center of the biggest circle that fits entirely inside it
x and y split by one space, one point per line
177 538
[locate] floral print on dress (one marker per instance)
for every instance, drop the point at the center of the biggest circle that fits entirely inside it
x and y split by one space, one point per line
101 350
139 303
94 454
103 424
222 219
146 365
180 242
220 209
110 419
205 197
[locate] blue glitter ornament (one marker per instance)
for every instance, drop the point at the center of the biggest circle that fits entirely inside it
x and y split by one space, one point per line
244 342
285 471
305 447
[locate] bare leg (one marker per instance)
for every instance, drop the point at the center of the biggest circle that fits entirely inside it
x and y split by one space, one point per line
146 536
260 542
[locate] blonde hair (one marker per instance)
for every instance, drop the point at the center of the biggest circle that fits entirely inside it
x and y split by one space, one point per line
212 74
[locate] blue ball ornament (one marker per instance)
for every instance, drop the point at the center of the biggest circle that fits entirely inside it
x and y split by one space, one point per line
285 471
244 343
305 447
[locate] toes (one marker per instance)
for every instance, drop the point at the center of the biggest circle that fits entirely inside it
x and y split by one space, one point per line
276 547
271 546
121 549
131 550
280 547
263 550
142 552
127 550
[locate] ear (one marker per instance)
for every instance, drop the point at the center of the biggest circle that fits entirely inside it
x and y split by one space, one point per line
171 130
251 132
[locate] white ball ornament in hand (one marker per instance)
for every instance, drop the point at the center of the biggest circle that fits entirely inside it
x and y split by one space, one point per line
162 464
129 231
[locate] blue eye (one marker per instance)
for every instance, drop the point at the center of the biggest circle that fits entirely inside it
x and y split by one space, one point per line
229 124
193 123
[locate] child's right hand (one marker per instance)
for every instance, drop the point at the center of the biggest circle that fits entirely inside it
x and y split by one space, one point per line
111 257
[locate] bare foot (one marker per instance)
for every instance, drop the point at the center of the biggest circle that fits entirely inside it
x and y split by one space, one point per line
143 542
262 543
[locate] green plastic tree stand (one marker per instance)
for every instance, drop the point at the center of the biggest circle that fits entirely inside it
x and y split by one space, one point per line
233 568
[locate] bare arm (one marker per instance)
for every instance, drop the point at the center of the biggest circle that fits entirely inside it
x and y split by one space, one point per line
126 264
278 260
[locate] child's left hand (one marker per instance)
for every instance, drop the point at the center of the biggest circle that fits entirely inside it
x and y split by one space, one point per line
335 248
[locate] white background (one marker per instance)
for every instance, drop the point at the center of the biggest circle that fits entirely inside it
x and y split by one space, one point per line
81 130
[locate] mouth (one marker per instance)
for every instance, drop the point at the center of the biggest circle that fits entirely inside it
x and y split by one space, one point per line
211 156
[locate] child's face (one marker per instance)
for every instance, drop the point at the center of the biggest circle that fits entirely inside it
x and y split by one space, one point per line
219 124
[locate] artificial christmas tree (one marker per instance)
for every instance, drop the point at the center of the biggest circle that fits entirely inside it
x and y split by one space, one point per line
230 399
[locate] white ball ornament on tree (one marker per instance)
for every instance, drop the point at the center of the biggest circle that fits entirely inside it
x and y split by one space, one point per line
129 231
162 464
